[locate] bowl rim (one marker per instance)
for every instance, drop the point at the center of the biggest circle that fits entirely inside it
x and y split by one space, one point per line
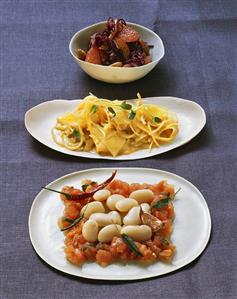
109 66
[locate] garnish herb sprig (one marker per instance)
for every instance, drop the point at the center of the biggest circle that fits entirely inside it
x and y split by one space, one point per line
76 133
68 219
156 119
132 115
76 221
68 195
85 186
111 110
125 106
94 109
131 245
161 203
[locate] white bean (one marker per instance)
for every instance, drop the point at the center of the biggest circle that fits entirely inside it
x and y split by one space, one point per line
132 217
103 219
146 207
91 208
112 200
137 232
143 195
124 205
107 233
115 216
90 230
101 195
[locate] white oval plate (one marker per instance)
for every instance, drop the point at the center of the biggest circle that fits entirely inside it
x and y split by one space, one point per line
40 119
192 225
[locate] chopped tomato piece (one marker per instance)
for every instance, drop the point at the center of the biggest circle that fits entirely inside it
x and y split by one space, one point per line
104 257
72 211
170 210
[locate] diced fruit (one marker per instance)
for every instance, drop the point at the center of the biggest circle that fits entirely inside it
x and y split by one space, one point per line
129 35
93 56
123 47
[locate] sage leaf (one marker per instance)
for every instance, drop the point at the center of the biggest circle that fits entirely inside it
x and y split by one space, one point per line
68 219
126 106
156 119
161 203
94 109
68 195
76 221
76 133
111 110
165 241
84 187
131 245
132 114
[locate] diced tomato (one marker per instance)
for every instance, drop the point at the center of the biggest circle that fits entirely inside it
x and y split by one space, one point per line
90 253
170 210
158 188
169 189
166 229
165 255
74 256
71 211
119 187
104 257
162 215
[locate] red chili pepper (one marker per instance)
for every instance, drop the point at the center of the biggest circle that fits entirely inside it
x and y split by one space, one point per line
85 194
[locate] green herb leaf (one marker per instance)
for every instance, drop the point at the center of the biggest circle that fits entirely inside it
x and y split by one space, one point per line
76 133
156 119
161 203
77 220
131 245
111 110
94 108
177 192
68 195
126 106
132 114
165 241
68 219
85 186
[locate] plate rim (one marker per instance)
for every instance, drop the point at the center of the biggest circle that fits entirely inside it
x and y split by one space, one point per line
127 157
152 275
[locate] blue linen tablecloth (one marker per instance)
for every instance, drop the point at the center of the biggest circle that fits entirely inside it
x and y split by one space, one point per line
200 64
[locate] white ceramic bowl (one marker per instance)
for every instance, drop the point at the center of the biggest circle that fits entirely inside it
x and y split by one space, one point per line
116 74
